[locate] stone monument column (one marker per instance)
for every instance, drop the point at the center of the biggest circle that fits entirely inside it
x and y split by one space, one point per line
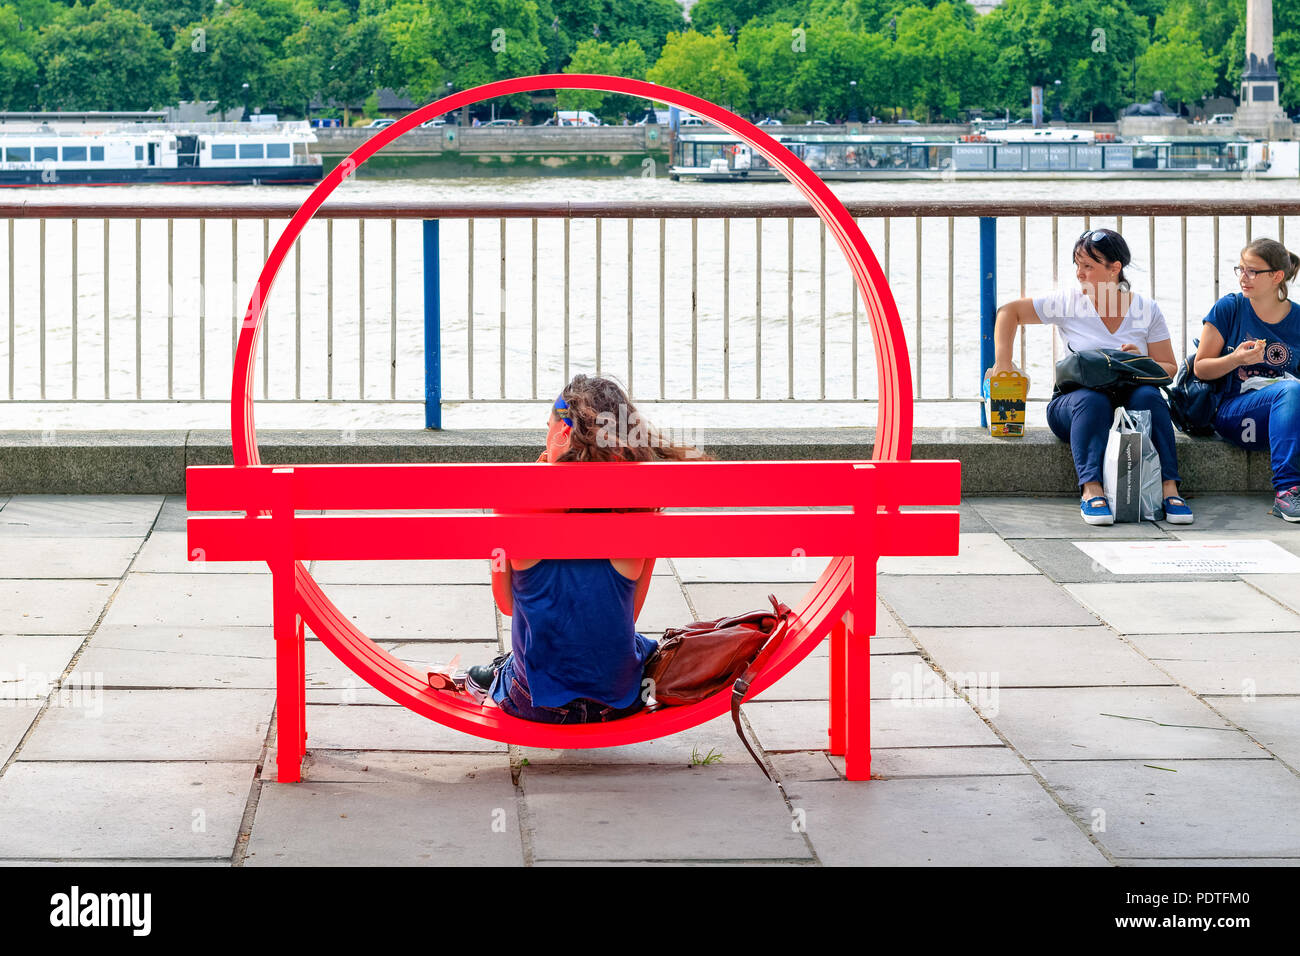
1260 106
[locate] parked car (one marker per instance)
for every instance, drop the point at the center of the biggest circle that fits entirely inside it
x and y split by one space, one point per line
688 120
658 117
768 121
908 122
379 123
818 123
433 123
1222 119
502 122
576 118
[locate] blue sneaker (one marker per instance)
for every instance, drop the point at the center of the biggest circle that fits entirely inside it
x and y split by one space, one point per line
1176 510
1096 510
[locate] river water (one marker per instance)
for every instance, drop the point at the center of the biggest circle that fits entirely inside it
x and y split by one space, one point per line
299 354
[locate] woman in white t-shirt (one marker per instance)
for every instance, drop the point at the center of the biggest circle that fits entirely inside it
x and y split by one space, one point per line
1102 313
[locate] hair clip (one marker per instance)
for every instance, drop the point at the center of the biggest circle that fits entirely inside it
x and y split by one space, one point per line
560 403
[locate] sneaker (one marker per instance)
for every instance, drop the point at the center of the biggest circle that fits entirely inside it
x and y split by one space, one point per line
1176 510
478 679
1286 504
1096 510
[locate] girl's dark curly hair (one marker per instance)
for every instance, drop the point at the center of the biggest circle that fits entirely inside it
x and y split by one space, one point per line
608 427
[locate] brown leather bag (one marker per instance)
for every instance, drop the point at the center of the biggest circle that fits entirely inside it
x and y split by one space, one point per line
704 657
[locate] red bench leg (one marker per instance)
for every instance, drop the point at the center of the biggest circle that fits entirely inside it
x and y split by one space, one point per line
839 647
857 698
290 680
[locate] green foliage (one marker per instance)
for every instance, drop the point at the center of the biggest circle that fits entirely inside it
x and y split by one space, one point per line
17 64
704 760
706 66
941 60
627 59
1177 64
74 48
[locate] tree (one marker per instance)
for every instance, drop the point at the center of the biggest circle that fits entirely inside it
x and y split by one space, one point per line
17 66
845 71
1177 64
770 55
627 59
705 66
942 60
1091 46
73 49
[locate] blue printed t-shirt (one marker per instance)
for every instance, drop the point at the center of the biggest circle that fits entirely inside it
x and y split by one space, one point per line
572 634
1236 321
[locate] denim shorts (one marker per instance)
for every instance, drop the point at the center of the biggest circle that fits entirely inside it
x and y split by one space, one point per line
517 702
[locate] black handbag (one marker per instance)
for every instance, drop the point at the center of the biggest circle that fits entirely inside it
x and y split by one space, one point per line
1193 403
1112 371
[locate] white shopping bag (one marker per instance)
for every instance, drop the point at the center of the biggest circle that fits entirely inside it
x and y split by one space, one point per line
1121 468
1153 500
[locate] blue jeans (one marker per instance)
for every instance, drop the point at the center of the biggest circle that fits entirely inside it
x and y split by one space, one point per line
1083 418
517 702
1267 417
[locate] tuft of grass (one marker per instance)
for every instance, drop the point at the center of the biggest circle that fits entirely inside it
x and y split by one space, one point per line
703 760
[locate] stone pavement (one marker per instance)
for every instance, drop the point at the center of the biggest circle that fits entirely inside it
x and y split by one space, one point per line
1028 707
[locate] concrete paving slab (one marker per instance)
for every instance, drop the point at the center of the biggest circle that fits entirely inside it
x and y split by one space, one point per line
30 667
192 600
956 821
1037 656
218 725
173 514
161 656
147 810
448 612
1273 721
1057 517
717 736
460 811
402 572
1283 588
664 607
980 601
66 557
890 763
1064 563
1216 664
895 675
977 554
88 516
325 672
1211 861
1228 513
380 767
1192 808
719 600
52 606
804 765
801 725
639 813
1073 724
1184 608
116 863
168 552
748 570
15 717
383 727
971 522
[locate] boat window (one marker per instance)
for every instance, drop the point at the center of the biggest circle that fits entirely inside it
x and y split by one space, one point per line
139 154
19 154
97 154
1010 157
1119 157
45 152
1087 157
277 150
250 150
223 150
74 154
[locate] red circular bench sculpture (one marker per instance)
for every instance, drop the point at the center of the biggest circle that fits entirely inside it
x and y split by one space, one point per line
844 593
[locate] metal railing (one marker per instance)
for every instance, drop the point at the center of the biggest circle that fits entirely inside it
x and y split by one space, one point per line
735 304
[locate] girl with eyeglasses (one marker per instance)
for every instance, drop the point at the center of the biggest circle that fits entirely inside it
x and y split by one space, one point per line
1102 313
1251 341
575 655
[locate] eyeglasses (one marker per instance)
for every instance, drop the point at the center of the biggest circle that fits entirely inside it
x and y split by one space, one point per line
562 405
1251 273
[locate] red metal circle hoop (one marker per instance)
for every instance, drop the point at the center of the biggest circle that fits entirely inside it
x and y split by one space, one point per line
894 418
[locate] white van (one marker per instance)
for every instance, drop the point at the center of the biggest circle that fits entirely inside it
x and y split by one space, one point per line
576 118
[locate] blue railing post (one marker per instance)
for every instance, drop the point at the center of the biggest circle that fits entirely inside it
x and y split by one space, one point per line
988 299
432 328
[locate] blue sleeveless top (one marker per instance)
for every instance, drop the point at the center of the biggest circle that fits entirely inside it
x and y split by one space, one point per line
572 634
